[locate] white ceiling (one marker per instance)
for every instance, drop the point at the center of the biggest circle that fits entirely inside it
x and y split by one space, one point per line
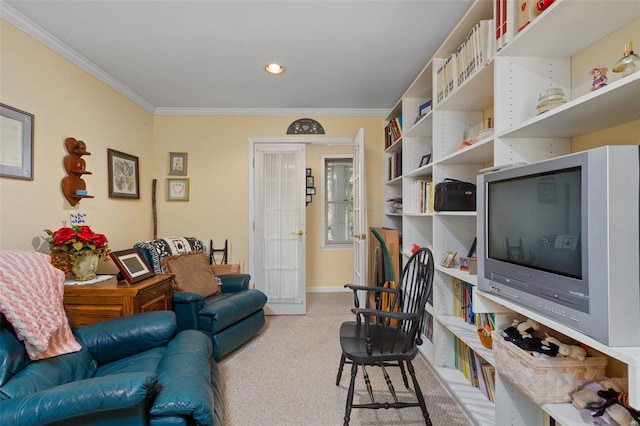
208 56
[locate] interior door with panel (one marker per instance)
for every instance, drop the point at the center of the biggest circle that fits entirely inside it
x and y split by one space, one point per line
359 212
280 225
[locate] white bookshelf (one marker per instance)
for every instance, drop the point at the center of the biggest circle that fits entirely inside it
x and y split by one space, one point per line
542 55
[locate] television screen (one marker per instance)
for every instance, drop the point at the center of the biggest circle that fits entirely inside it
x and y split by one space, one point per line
535 221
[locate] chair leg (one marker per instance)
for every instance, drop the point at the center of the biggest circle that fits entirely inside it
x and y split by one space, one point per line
416 386
347 412
404 375
368 383
342 359
389 384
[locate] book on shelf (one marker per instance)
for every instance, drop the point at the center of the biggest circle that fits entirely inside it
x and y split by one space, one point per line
424 196
474 53
474 368
462 301
394 165
393 131
427 326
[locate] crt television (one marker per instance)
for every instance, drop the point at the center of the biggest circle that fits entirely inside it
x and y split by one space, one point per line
561 237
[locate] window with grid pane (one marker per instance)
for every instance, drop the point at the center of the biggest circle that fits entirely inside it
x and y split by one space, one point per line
338 196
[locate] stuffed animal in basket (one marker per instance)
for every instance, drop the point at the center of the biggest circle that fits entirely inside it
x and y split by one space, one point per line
521 334
564 350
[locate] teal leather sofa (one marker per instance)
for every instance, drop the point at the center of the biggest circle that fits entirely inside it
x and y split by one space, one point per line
230 318
133 370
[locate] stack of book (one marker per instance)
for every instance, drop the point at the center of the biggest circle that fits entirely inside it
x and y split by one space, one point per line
472 55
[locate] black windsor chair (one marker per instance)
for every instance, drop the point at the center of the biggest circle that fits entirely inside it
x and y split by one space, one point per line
389 338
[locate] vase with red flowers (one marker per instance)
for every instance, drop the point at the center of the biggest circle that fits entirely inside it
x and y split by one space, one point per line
76 251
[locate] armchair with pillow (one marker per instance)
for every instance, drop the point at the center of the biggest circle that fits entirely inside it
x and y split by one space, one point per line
230 313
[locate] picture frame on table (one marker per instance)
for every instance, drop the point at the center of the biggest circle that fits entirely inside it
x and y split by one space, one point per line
178 163
124 175
177 189
447 260
132 265
16 149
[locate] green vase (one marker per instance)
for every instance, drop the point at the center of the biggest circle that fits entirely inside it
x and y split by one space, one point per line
85 266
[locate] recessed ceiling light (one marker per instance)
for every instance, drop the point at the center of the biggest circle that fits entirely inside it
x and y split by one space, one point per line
274 68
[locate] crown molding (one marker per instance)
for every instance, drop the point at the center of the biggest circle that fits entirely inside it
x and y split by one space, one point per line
36 31
297 112
25 24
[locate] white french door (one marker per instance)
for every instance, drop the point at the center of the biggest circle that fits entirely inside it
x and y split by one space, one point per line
360 231
280 226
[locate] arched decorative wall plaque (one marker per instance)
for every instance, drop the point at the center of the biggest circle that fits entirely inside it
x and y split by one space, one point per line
305 126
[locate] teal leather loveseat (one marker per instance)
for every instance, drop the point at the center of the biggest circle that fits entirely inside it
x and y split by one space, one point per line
230 317
133 370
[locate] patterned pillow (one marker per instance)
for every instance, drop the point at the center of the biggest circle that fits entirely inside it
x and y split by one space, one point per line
171 246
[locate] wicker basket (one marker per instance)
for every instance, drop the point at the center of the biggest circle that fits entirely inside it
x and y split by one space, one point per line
544 380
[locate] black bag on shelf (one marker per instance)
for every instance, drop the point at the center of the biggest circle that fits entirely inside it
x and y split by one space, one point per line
454 195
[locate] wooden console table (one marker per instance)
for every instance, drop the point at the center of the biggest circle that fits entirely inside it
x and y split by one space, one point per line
91 303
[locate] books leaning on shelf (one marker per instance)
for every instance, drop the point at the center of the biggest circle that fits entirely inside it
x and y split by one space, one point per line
427 326
462 302
394 165
475 52
475 369
393 131
424 197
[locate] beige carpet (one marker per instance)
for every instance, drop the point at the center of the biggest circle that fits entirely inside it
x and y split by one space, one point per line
286 376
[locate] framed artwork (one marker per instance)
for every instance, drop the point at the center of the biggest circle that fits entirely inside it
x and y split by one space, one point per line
311 191
178 189
178 163
132 265
425 160
16 149
124 176
308 199
447 260
309 181
308 172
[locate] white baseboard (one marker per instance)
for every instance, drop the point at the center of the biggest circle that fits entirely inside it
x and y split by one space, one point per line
327 289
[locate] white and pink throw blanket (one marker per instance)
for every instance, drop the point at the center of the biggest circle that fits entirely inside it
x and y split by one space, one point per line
31 298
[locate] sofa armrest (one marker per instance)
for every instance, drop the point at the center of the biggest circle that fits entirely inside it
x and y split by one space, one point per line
118 338
78 402
184 375
186 305
234 283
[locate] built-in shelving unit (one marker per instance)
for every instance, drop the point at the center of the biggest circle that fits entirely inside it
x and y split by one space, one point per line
545 54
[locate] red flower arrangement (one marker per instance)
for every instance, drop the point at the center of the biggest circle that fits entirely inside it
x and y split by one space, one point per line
67 244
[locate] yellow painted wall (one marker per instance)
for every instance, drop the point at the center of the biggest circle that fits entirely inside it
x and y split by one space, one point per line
218 152
605 52
68 102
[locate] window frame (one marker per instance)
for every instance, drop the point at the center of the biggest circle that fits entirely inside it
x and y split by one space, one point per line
324 244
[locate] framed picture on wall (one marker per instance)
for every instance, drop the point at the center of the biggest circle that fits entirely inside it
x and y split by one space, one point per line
16 149
178 163
124 177
177 189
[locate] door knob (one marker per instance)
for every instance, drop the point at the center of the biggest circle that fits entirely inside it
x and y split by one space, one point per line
299 233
